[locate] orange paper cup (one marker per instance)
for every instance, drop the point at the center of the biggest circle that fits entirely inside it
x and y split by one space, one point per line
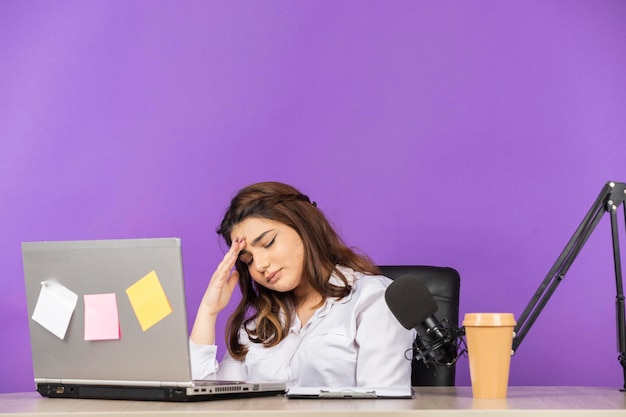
489 342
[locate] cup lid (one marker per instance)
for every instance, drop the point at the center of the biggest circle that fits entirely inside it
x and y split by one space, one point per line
489 319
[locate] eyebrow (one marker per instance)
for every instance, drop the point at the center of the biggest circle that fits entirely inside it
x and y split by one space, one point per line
261 236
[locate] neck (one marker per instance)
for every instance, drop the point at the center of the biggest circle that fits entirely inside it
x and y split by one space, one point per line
306 296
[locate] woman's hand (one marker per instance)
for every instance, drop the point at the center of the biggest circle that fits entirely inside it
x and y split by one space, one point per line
217 295
223 281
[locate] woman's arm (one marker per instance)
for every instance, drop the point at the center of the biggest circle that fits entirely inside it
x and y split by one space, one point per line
204 364
202 349
217 296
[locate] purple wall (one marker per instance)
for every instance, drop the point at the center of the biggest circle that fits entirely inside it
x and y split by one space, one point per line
469 134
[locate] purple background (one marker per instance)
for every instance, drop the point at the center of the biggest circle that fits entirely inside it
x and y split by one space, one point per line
474 135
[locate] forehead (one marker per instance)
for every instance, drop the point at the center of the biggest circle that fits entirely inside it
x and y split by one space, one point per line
252 227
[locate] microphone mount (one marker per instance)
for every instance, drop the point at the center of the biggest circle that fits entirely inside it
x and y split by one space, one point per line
439 344
613 195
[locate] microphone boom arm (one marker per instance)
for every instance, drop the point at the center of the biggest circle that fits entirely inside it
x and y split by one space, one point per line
611 197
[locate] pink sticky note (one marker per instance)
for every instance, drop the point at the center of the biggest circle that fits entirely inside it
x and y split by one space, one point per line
101 317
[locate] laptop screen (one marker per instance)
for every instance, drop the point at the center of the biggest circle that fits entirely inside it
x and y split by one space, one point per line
107 310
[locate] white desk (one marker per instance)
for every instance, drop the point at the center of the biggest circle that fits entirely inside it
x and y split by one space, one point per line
428 401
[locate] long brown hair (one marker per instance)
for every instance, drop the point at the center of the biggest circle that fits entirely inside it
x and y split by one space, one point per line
272 311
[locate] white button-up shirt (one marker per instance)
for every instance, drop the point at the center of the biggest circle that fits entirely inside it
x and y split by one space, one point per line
355 341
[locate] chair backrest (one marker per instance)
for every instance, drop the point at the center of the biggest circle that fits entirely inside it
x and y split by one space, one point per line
444 284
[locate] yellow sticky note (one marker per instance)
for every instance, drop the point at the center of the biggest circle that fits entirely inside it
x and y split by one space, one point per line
149 301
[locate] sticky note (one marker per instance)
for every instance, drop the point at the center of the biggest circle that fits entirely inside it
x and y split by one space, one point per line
55 307
101 317
149 300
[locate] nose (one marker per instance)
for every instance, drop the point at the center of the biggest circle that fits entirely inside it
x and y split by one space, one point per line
262 263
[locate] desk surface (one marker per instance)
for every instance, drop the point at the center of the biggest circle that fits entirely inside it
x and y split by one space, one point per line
428 401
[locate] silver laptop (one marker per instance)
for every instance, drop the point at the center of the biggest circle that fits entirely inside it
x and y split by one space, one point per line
108 320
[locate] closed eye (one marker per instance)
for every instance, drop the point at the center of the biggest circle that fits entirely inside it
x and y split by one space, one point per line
270 243
246 257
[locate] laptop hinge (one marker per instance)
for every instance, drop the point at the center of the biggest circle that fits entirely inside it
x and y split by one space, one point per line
47 381
67 381
187 384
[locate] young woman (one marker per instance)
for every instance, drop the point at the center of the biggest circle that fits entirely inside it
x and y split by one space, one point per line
312 311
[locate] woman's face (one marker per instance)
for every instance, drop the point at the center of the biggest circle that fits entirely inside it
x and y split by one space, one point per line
273 252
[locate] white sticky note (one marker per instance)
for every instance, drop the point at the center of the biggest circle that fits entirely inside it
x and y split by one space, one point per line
55 307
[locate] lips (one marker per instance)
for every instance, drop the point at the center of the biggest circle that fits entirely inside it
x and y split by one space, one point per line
271 276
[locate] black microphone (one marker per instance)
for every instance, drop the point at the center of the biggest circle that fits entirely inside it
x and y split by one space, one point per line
414 307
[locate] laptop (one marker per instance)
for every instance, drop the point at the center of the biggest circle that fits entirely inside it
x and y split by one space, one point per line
108 320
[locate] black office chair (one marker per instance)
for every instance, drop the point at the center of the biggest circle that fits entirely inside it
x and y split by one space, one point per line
444 284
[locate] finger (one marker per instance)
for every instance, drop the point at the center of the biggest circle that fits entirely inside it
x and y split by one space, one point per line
231 256
228 262
236 247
